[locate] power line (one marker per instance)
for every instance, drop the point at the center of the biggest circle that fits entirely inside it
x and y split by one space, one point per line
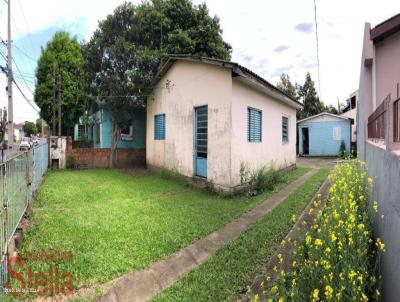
317 42
26 99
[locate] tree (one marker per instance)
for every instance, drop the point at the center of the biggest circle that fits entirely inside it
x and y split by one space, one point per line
331 109
286 86
64 53
3 126
127 49
308 96
30 128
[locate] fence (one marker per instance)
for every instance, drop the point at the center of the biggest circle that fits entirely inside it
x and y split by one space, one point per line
20 178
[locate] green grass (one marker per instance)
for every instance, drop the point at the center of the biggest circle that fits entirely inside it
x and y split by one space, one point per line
115 223
227 274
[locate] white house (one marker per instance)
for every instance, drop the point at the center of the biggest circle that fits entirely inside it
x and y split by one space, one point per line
206 116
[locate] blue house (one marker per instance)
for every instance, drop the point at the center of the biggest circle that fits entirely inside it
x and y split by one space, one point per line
98 129
322 134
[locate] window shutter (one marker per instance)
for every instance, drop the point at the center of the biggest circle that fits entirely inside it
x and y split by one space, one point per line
254 124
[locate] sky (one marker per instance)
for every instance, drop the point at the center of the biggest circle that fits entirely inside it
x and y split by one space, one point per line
268 37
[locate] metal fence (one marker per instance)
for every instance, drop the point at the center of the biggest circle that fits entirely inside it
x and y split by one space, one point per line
20 178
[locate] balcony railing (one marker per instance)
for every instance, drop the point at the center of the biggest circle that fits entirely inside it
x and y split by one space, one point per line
377 122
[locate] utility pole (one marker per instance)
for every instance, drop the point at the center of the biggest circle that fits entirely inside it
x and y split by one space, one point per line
54 100
60 89
10 82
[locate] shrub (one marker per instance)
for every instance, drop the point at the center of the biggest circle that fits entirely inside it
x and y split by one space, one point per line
71 162
342 149
337 258
261 179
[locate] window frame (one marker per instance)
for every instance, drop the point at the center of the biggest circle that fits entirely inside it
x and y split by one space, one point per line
159 134
287 129
253 137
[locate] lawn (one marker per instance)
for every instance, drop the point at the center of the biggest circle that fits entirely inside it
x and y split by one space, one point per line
227 274
115 223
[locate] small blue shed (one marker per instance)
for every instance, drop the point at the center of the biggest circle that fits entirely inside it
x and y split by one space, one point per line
322 134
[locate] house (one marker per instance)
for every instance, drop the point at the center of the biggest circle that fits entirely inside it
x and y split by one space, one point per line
322 134
207 116
350 111
378 139
91 146
98 129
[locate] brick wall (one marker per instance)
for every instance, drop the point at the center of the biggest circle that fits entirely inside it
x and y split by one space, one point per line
99 158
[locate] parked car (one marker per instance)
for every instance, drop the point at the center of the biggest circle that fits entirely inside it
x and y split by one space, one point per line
35 141
25 144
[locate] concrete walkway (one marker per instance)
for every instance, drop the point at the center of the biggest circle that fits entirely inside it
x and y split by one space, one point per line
143 284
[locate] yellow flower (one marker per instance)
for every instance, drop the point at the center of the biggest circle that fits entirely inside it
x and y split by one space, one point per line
315 293
280 299
280 258
375 206
308 239
370 180
318 242
333 237
328 291
327 250
352 274
256 298
274 289
380 244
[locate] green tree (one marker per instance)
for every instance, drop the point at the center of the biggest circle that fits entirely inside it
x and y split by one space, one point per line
286 86
65 54
127 49
331 109
308 96
30 128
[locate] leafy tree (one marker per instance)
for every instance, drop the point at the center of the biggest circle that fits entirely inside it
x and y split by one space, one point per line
3 126
30 128
65 53
331 109
308 96
286 86
127 49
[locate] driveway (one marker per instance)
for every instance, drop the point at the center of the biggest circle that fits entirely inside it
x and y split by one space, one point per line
317 162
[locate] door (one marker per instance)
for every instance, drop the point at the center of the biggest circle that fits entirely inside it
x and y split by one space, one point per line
305 139
200 141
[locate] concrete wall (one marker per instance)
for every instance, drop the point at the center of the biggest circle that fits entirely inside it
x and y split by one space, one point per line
271 150
321 140
384 167
185 86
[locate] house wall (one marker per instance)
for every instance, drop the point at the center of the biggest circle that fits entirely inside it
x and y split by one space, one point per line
352 114
185 86
383 165
387 68
271 150
321 142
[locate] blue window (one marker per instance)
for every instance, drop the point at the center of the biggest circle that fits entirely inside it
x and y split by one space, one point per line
254 121
159 126
285 129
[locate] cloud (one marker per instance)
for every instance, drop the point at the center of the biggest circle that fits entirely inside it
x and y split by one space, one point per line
278 71
281 48
304 27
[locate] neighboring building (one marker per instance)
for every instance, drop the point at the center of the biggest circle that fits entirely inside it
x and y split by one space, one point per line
18 132
350 111
98 130
207 116
322 134
378 138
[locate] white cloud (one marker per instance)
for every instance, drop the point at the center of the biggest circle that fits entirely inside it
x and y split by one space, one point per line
255 28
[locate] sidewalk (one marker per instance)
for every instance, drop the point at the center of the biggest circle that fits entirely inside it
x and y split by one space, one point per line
143 284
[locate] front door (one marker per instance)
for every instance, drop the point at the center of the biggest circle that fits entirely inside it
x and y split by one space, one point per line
305 139
200 141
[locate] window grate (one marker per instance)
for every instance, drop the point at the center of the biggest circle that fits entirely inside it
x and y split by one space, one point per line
285 129
159 127
254 122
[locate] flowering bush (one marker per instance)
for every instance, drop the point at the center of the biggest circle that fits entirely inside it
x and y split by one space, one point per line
336 260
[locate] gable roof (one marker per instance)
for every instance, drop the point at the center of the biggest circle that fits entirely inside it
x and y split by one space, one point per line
386 28
325 113
237 71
